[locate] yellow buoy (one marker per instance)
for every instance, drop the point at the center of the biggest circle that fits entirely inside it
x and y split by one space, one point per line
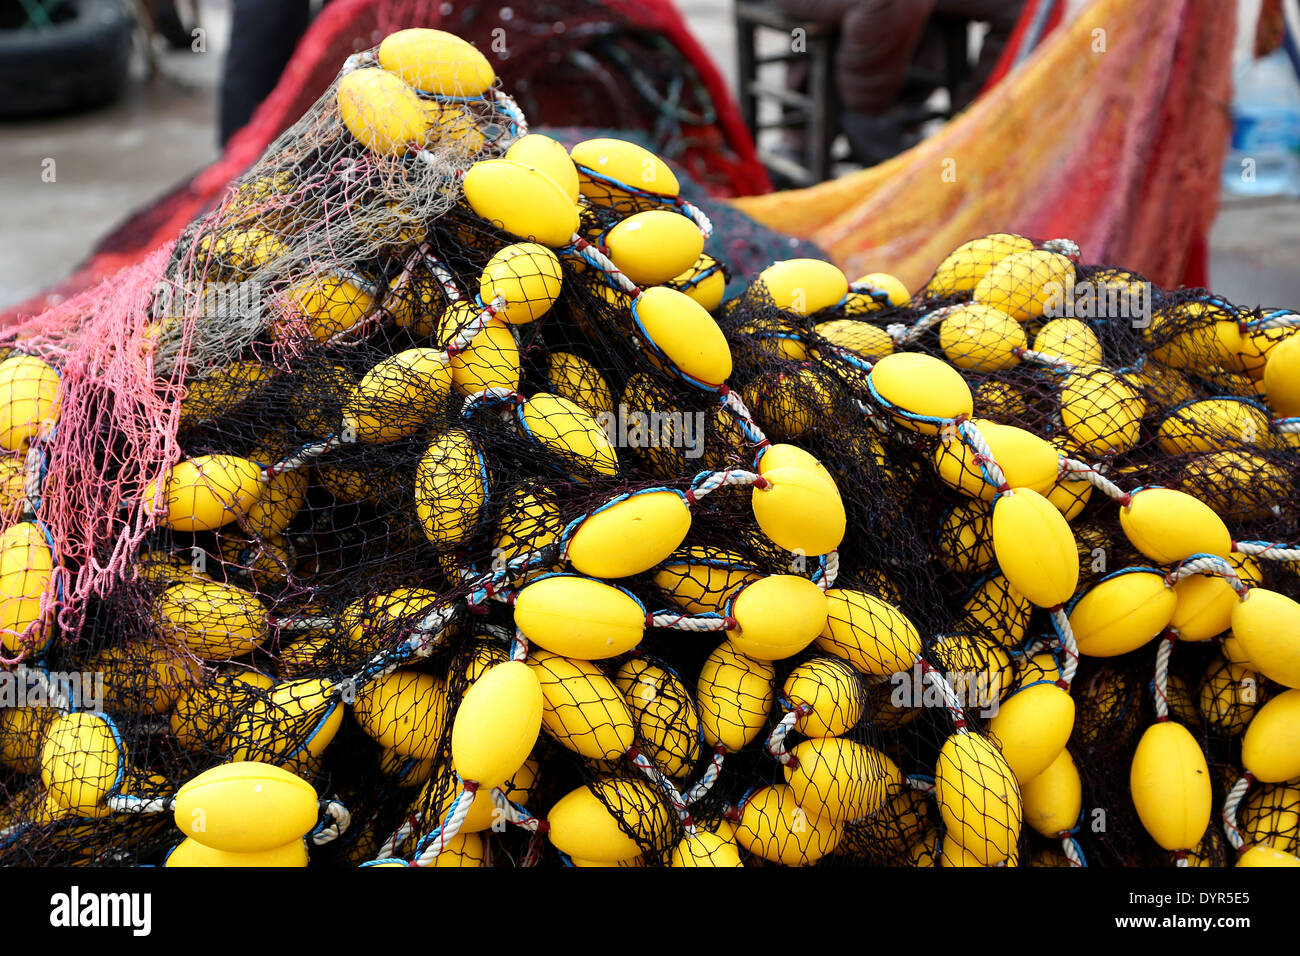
665 714
777 616
1170 784
839 780
405 711
970 262
526 277
192 853
1282 378
606 165
864 340
548 155
1032 727
450 488
591 822
1168 526
803 286
980 338
399 396
245 807
705 282
82 762
682 331
832 693
775 827
1268 626
214 621
734 694
1054 798
921 391
979 799
27 563
1271 747
1026 460
654 246
290 726
205 492
1070 340
800 509
578 617
32 395
631 535
491 360
1122 612
873 636
571 376
436 62
1101 412
584 710
570 432
497 724
1026 285
381 111
521 200
1035 547
703 849
1213 424
700 579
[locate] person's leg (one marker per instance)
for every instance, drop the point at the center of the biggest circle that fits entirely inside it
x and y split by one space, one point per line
263 34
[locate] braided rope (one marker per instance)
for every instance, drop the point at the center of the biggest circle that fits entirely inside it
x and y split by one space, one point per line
677 621
1163 652
1230 805
602 263
646 766
1283 318
1070 846
1066 247
776 739
513 813
708 778
1089 473
432 845
951 700
123 803
971 435
339 819
1069 646
1267 550
710 482
1042 358
734 404
827 571
1207 564
904 334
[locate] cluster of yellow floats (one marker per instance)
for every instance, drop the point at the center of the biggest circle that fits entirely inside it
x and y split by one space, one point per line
1023 492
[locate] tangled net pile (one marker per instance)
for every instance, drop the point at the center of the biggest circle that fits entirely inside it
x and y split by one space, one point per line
435 509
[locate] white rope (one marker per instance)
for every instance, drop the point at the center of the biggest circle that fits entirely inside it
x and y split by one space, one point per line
686 622
604 264
776 739
1042 358
1230 804
724 479
303 456
340 820
1207 564
519 646
1069 646
827 575
513 813
646 766
302 623
951 700
903 334
708 778
1070 846
1089 473
506 103
123 803
920 784
394 842
971 434
447 832
32 467
696 215
733 403
1277 320
467 335
1163 651
1066 247
1268 551
1287 426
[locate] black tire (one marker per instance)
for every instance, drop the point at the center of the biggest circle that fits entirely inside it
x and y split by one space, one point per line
79 62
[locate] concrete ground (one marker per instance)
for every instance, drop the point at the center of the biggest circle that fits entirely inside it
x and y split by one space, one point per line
108 163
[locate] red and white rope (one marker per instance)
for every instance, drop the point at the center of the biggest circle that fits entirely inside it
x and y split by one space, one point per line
450 827
776 739
1267 550
708 778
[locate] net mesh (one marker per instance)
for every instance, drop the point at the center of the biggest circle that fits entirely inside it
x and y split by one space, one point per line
533 515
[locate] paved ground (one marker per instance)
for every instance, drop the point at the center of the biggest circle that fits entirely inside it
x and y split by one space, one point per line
110 162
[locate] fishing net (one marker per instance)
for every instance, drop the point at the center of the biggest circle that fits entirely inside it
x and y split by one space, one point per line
456 496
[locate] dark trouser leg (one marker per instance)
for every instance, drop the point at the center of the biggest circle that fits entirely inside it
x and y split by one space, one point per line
263 34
